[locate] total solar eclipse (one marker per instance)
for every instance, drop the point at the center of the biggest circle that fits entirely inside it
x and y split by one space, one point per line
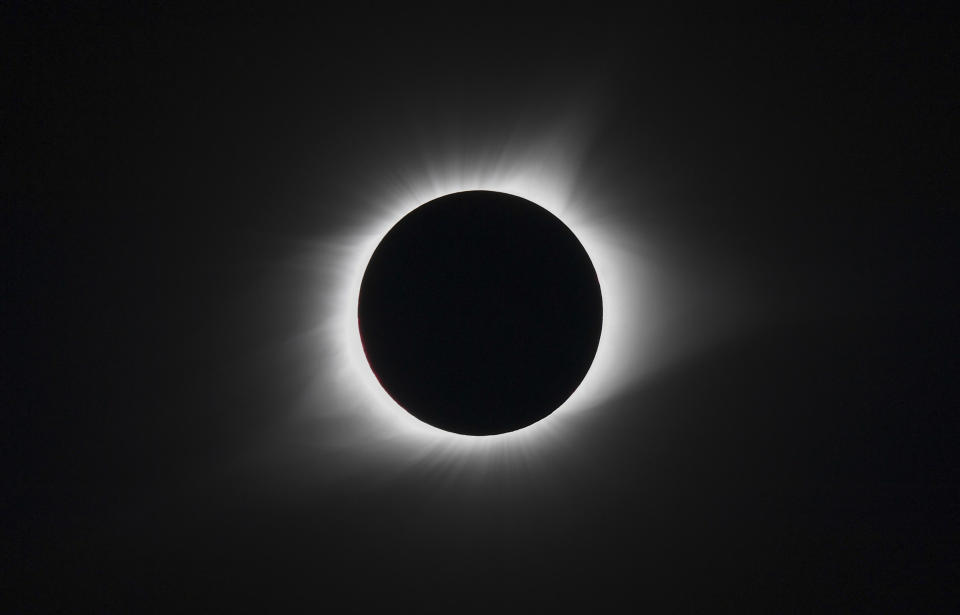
480 312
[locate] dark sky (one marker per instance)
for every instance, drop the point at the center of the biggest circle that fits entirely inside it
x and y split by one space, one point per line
165 168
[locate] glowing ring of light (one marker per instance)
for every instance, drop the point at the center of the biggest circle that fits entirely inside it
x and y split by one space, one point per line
609 247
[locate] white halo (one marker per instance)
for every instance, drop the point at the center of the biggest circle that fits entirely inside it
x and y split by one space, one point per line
366 417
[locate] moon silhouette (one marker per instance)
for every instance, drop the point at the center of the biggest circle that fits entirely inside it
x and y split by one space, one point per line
480 312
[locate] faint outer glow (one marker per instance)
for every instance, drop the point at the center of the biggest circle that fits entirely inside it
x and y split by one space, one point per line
546 174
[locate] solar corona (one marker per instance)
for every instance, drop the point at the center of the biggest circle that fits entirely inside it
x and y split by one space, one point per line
474 308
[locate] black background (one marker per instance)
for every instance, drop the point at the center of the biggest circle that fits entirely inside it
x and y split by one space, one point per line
161 162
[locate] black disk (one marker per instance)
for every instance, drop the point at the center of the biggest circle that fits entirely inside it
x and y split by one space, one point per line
480 312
